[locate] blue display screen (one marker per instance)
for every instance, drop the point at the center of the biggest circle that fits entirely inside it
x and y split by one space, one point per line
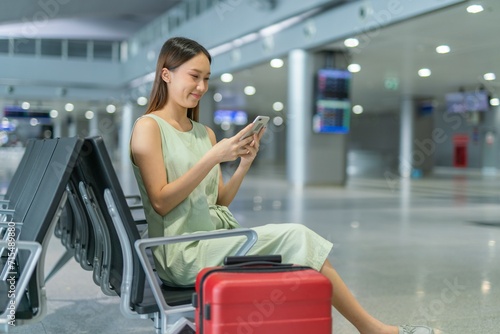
332 108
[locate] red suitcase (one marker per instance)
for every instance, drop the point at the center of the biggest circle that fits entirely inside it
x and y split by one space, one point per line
262 298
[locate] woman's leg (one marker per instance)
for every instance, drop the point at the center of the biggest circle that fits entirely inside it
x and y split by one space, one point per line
344 301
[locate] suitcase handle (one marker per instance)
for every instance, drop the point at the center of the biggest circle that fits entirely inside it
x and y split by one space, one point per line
249 260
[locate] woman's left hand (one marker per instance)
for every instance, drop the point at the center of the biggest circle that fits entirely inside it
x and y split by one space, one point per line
252 149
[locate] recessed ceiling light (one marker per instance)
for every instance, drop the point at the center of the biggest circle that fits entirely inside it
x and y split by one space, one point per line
442 49
474 9
89 114
217 97
142 100
424 72
489 76
277 63
69 107
226 77
249 90
278 106
110 108
53 113
25 105
278 120
354 68
351 42
495 101
357 109
225 125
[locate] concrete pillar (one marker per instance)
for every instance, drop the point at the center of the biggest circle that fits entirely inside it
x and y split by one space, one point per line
57 127
72 128
298 119
126 174
406 137
94 125
312 158
490 142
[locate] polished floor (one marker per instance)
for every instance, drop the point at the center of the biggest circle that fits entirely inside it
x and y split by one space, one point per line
419 251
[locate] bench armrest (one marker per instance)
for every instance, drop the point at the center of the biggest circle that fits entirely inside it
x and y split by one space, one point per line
21 284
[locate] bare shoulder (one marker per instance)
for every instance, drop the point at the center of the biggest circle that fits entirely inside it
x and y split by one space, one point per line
145 135
145 127
145 123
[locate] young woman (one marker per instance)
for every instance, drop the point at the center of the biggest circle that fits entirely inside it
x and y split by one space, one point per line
176 164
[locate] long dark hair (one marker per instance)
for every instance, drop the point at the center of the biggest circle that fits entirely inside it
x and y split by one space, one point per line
175 52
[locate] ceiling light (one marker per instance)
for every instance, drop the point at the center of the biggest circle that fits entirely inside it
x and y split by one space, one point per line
226 77
53 113
443 49
25 105
275 28
142 101
354 68
489 76
278 106
357 109
278 120
351 42
249 90
424 72
474 9
69 107
495 102
89 114
111 108
33 122
217 97
277 63
225 126
221 49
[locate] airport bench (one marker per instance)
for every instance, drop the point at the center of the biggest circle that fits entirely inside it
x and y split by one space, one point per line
28 223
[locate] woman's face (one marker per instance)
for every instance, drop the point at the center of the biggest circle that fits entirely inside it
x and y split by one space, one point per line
188 82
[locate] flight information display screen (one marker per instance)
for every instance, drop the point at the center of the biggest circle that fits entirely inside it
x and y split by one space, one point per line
333 104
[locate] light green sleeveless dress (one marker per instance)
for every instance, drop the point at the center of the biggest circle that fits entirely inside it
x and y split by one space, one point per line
179 264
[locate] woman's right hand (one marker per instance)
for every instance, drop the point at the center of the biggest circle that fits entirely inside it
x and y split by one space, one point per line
229 149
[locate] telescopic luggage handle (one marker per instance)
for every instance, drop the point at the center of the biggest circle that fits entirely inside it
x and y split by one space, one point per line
252 259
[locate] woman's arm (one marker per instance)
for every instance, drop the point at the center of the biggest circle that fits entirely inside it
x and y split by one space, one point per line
147 155
228 191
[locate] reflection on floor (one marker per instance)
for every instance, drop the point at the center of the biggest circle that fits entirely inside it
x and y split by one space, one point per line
415 251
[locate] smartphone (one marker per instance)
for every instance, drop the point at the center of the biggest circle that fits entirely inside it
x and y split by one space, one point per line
258 123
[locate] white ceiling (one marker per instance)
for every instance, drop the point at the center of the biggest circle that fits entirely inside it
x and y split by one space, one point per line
401 50
395 52
398 52
89 19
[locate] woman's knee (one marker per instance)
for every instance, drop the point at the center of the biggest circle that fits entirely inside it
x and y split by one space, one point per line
298 230
295 227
